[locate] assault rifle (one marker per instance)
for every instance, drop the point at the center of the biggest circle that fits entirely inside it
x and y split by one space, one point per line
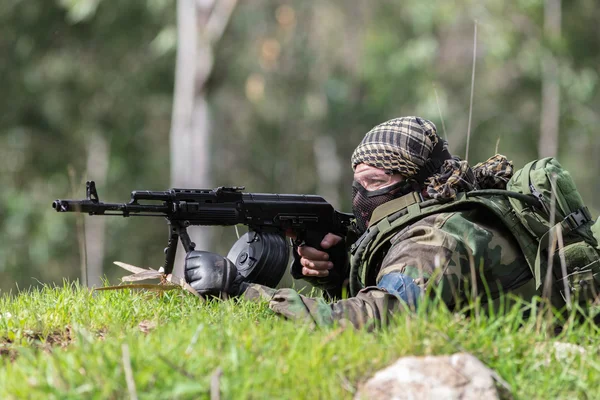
309 217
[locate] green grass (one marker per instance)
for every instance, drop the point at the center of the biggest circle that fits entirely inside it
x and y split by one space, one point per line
65 342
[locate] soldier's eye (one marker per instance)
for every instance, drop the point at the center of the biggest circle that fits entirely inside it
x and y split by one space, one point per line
370 184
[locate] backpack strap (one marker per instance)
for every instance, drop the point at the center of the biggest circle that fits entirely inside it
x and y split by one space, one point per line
571 222
395 205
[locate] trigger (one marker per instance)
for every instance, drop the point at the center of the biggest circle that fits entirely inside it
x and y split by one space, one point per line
300 239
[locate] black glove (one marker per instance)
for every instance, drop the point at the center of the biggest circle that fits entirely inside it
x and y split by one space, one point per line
210 274
333 283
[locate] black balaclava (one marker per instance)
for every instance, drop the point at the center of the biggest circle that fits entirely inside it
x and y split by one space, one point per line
364 201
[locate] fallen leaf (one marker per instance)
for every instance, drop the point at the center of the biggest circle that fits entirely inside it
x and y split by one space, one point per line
142 276
146 326
151 286
131 268
184 285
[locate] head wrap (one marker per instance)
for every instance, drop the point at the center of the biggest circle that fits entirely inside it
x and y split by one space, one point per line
457 176
401 145
411 147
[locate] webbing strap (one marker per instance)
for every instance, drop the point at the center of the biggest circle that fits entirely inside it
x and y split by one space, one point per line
526 172
570 223
383 225
394 205
577 218
414 210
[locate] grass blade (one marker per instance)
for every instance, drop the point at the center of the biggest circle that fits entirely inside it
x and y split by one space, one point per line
472 92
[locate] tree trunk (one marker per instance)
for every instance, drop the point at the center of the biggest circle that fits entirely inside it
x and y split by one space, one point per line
200 24
329 169
550 113
94 227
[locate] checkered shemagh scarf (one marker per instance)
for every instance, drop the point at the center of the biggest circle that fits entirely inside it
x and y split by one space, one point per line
400 145
403 145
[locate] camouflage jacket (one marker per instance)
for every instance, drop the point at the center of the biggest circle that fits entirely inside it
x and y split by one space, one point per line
454 255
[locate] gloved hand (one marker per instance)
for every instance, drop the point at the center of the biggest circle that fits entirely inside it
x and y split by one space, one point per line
210 274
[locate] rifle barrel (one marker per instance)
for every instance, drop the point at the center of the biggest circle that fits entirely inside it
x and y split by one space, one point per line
97 208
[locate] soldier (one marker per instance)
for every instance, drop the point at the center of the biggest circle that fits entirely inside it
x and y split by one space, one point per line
452 254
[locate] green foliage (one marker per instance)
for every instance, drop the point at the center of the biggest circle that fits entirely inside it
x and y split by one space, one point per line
260 355
72 69
286 73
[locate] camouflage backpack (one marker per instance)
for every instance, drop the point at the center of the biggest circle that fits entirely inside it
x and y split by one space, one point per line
564 228
534 192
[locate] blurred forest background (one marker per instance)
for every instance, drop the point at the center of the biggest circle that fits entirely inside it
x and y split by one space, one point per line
270 94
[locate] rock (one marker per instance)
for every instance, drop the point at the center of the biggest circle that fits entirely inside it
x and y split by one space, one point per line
459 376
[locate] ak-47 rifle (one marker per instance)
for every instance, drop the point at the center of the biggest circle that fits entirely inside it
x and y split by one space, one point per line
309 217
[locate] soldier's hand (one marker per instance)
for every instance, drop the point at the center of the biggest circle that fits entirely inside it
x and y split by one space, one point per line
211 274
316 263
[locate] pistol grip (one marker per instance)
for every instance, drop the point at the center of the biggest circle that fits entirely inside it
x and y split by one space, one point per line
336 253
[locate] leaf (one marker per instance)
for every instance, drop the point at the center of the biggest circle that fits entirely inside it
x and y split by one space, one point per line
150 286
177 280
131 268
141 276
168 282
146 326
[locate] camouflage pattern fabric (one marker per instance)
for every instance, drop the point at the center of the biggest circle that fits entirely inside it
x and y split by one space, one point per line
463 254
457 176
452 255
369 309
494 173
